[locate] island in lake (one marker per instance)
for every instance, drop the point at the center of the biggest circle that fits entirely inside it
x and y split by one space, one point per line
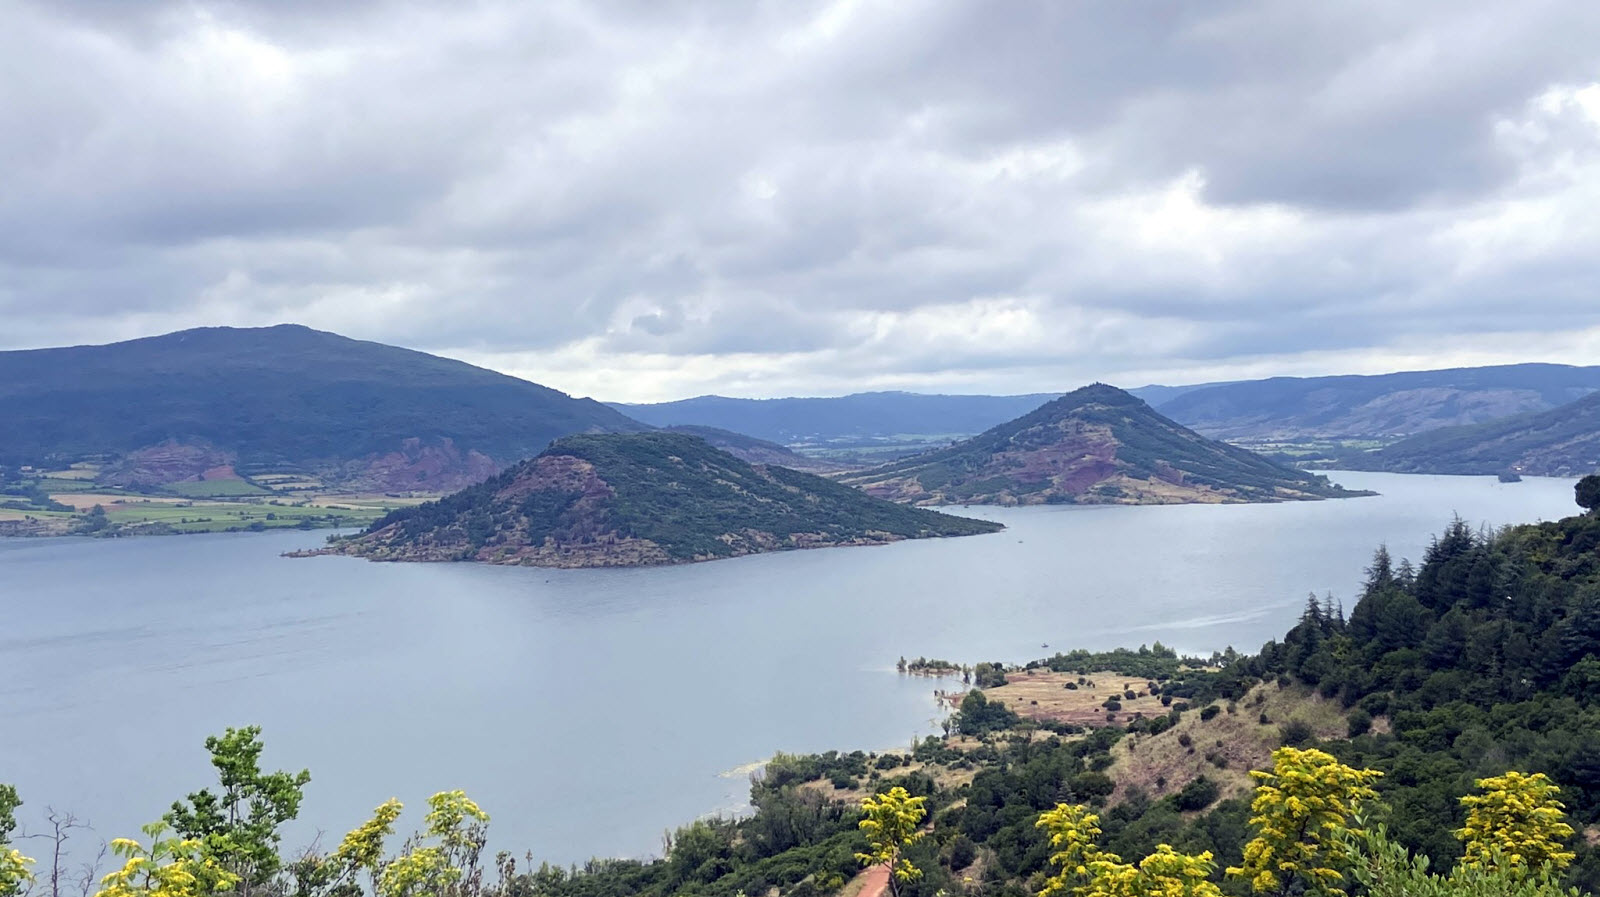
623 500
1095 445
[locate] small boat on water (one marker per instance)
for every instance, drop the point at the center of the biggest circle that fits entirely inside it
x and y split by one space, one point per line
1510 476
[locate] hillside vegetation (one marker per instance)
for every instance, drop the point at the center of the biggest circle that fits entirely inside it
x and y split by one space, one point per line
219 402
1097 444
1563 441
648 498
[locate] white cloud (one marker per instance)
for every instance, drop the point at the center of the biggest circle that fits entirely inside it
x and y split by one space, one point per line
648 201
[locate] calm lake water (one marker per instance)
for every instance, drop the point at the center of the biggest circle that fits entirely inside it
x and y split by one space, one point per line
589 710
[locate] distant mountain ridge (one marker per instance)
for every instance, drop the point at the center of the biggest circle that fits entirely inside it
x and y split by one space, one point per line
756 451
791 420
1376 406
1353 406
275 398
619 500
1097 445
1563 441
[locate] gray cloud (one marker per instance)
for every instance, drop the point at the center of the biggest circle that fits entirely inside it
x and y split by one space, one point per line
645 200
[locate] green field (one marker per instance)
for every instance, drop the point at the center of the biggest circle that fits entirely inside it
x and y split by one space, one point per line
216 489
222 516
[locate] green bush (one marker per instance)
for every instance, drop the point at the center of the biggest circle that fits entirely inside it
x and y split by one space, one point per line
1295 733
1197 795
1360 722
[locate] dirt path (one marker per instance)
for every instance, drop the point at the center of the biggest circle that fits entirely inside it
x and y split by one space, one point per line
874 882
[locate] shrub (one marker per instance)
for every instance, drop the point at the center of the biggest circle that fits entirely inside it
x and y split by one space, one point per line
1184 739
1210 713
1128 695
1092 787
1112 704
1295 733
1360 722
1198 794
1376 704
962 852
1265 720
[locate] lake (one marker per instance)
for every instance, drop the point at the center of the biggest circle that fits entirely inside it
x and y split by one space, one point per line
590 710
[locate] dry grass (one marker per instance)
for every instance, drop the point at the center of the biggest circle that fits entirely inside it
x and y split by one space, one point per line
76 472
1224 748
1043 695
365 501
84 501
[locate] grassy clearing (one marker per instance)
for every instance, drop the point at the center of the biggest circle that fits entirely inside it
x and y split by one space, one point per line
1224 748
1043 695
217 489
80 471
84 501
54 484
13 514
196 517
288 482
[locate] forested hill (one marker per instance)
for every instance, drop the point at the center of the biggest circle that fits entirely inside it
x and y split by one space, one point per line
1098 445
1377 406
275 398
1563 441
647 498
1486 657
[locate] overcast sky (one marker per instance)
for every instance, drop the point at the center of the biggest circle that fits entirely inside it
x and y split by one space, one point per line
652 199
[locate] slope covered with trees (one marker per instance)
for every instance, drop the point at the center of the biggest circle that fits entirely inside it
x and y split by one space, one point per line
1097 444
647 498
1563 441
275 399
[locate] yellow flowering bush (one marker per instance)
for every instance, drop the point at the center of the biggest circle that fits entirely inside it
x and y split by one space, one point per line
169 867
1301 810
1084 870
890 822
14 871
1516 824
